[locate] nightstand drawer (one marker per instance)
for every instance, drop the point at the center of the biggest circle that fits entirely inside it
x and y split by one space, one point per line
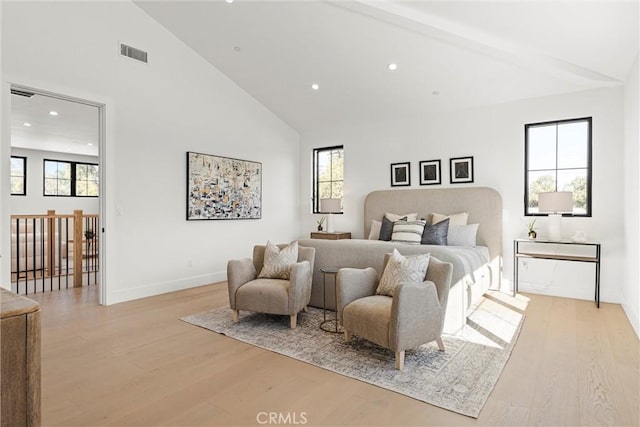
337 235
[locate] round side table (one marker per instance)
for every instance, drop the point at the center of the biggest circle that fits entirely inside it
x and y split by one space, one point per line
325 325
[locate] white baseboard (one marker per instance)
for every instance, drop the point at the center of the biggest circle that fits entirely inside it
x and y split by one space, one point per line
633 319
152 289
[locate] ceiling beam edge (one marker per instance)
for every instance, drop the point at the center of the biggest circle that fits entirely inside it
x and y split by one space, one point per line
475 40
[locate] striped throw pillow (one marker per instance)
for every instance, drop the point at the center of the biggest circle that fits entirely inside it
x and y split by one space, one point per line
408 231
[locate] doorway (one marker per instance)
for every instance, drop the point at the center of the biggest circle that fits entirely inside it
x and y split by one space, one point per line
56 192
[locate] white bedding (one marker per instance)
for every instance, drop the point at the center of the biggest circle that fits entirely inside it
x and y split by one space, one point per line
471 271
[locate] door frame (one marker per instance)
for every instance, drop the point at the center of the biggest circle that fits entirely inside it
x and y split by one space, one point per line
102 276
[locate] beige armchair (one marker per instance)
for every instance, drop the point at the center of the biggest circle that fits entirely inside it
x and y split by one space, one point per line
414 316
273 296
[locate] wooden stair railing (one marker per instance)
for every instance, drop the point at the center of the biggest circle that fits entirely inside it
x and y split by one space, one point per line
40 244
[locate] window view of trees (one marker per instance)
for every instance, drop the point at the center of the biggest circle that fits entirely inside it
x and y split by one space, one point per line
546 183
86 180
62 178
57 178
18 176
328 175
558 158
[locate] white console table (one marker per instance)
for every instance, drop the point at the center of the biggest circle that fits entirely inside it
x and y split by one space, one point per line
518 253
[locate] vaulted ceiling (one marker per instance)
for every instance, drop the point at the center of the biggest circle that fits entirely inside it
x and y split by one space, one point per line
449 54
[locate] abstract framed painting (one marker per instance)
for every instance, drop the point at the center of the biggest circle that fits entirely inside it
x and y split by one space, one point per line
400 174
223 188
430 172
461 170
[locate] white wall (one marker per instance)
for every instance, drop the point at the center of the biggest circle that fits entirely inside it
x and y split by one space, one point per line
631 282
494 135
5 183
35 203
154 114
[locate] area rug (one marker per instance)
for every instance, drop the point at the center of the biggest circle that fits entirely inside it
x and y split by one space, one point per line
459 379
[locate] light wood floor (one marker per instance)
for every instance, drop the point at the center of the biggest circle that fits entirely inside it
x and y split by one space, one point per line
136 364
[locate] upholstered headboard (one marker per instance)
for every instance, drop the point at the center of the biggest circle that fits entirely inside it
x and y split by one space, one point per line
483 204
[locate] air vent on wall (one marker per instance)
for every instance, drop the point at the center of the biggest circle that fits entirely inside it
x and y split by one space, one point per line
22 93
133 53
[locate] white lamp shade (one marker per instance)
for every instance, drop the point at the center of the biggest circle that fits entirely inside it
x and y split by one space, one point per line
555 202
330 205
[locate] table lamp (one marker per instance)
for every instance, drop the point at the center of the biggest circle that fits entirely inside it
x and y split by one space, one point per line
555 203
330 206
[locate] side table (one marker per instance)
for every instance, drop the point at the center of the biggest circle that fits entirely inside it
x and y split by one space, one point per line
332 271
335 235
594 258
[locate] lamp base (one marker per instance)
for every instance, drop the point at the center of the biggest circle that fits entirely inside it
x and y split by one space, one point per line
329 223
555 227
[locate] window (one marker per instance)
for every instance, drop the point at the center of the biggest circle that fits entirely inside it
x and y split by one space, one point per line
18 176
328 175
75 179
558 158
86 179
57 178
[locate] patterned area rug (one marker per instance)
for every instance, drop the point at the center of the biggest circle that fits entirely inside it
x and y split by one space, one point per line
459 379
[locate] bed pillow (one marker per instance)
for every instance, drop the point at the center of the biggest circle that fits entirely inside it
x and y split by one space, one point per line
278 262
435 234
408 231
374 230
462 235
407 217
454 219
401 269
386 229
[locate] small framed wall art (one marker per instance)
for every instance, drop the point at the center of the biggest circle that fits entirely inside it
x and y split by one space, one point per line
430 172
400 174
461 170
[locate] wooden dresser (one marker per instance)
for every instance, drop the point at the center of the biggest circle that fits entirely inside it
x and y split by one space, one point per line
20 360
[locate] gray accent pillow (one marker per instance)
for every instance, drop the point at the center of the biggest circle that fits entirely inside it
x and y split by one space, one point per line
462 235
386 229
436 234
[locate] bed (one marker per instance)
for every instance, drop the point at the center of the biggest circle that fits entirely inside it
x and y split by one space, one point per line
476 269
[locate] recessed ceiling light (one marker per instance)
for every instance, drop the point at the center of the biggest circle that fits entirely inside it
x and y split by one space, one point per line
27 124
229 1
53 113
237 48
90 144
435 93
315 86
393 66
